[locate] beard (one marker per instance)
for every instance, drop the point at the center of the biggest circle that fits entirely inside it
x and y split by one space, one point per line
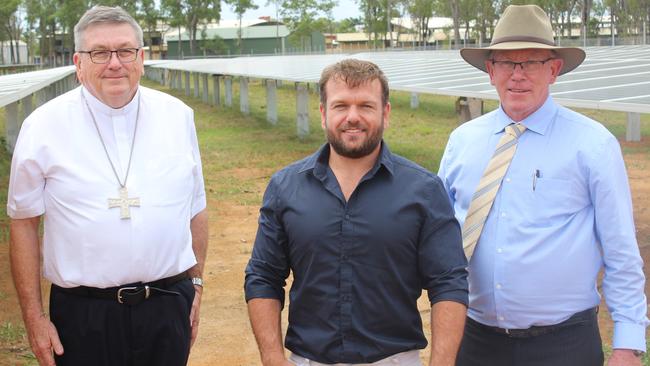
366 148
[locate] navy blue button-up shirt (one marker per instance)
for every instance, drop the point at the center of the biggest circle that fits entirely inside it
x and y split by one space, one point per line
358 266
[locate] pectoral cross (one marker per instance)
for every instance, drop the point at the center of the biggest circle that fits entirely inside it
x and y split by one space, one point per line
124 203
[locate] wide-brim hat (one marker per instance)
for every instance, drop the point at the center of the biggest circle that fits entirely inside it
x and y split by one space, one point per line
523 27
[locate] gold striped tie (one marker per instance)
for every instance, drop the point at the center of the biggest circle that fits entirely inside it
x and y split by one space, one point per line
488 187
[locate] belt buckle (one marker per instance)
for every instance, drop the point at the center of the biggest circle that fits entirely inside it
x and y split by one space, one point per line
147 292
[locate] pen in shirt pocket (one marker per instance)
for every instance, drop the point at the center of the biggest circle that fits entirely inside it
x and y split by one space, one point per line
536 175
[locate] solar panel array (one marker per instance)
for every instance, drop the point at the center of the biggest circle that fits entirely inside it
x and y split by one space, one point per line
611 78
14 87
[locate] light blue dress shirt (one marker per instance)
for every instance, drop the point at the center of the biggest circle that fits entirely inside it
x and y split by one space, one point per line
563 212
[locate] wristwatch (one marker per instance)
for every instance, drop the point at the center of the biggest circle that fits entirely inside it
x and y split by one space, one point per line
197 281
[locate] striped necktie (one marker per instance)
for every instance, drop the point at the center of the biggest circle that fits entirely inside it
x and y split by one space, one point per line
488 187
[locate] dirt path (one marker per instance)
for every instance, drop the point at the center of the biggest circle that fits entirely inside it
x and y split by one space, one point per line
225 337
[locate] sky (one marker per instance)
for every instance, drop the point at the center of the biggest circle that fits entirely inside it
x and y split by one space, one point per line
345 9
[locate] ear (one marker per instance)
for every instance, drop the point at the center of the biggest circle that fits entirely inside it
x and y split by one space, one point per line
490 70
387 109
323 116
556 67
141 51
76 59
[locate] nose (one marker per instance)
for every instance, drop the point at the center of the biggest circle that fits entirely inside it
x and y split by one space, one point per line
353 114
518 71
114 62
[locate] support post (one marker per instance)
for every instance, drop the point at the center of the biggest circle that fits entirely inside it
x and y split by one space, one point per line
187 83
243 95
271 102
41 97
28 106
415 101
196 84
302 110
228 85
179 81
633 132
216 91
205 95
11 125
468 108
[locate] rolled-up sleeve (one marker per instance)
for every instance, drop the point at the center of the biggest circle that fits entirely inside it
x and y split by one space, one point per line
442 263
268 268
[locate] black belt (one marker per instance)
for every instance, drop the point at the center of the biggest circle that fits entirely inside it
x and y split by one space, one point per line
535 331
130 294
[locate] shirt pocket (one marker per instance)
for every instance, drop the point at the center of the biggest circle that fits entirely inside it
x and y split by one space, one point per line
546 200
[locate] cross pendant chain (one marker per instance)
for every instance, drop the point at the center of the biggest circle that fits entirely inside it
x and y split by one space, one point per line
124 203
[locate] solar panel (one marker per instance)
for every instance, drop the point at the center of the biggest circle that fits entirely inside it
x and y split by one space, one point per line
611 78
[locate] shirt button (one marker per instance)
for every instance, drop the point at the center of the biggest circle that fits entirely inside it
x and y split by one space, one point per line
508 180
498 286
499 250
503 214
347 217
501 318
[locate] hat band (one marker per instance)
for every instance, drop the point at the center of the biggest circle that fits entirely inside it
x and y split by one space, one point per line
522 39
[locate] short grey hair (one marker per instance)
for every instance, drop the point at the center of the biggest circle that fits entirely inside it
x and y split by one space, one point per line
105 15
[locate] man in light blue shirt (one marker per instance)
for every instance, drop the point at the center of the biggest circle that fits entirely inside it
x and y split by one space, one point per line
562 212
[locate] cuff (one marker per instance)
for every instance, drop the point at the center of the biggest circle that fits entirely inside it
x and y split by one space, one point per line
460 296
24 213
629 336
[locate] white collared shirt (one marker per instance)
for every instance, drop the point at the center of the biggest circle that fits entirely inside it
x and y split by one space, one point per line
60 170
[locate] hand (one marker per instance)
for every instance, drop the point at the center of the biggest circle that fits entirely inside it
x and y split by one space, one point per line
194 313
43 339
277 360
623 357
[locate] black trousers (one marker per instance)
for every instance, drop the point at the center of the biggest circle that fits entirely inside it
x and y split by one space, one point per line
102 332
575 342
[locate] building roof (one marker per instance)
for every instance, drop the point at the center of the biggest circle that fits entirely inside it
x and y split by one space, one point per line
253 32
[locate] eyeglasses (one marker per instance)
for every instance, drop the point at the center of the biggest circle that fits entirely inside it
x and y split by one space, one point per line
104 56
526 66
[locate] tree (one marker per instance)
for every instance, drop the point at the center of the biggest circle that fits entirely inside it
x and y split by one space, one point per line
149 15
191 13
374 17
68 14
240 7
42 19
11 27
421 12
302 17
347 25
216 45
277 4
455 15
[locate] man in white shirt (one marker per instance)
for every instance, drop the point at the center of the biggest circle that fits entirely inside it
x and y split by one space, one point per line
114 170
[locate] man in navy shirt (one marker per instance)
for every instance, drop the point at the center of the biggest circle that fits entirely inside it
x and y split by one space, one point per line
363 231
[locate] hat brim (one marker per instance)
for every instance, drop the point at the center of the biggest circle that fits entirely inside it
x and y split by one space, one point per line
476 57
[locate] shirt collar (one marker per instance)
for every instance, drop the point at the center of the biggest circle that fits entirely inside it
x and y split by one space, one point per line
99 107
537 122
319 162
